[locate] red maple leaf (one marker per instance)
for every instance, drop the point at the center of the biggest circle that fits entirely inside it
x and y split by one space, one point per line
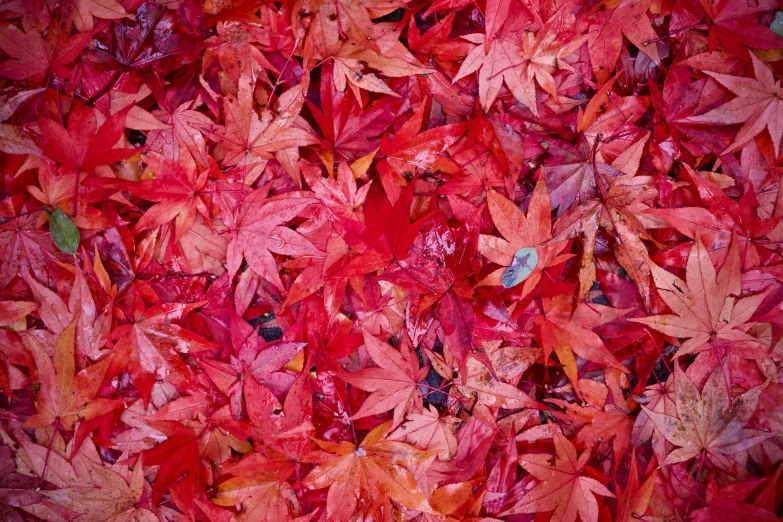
562 487
150 348
259 232
83 145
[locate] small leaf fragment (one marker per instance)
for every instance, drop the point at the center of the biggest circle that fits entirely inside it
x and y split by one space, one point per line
777 24
64 233
525 261
14 140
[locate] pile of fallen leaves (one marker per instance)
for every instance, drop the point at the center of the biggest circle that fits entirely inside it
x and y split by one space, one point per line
391 260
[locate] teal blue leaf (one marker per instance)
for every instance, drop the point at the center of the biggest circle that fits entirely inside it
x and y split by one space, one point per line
525 261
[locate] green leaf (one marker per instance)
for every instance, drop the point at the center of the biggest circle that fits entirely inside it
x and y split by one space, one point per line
64 233
525 260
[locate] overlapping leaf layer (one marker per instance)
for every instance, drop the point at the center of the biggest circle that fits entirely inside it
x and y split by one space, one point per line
391 260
